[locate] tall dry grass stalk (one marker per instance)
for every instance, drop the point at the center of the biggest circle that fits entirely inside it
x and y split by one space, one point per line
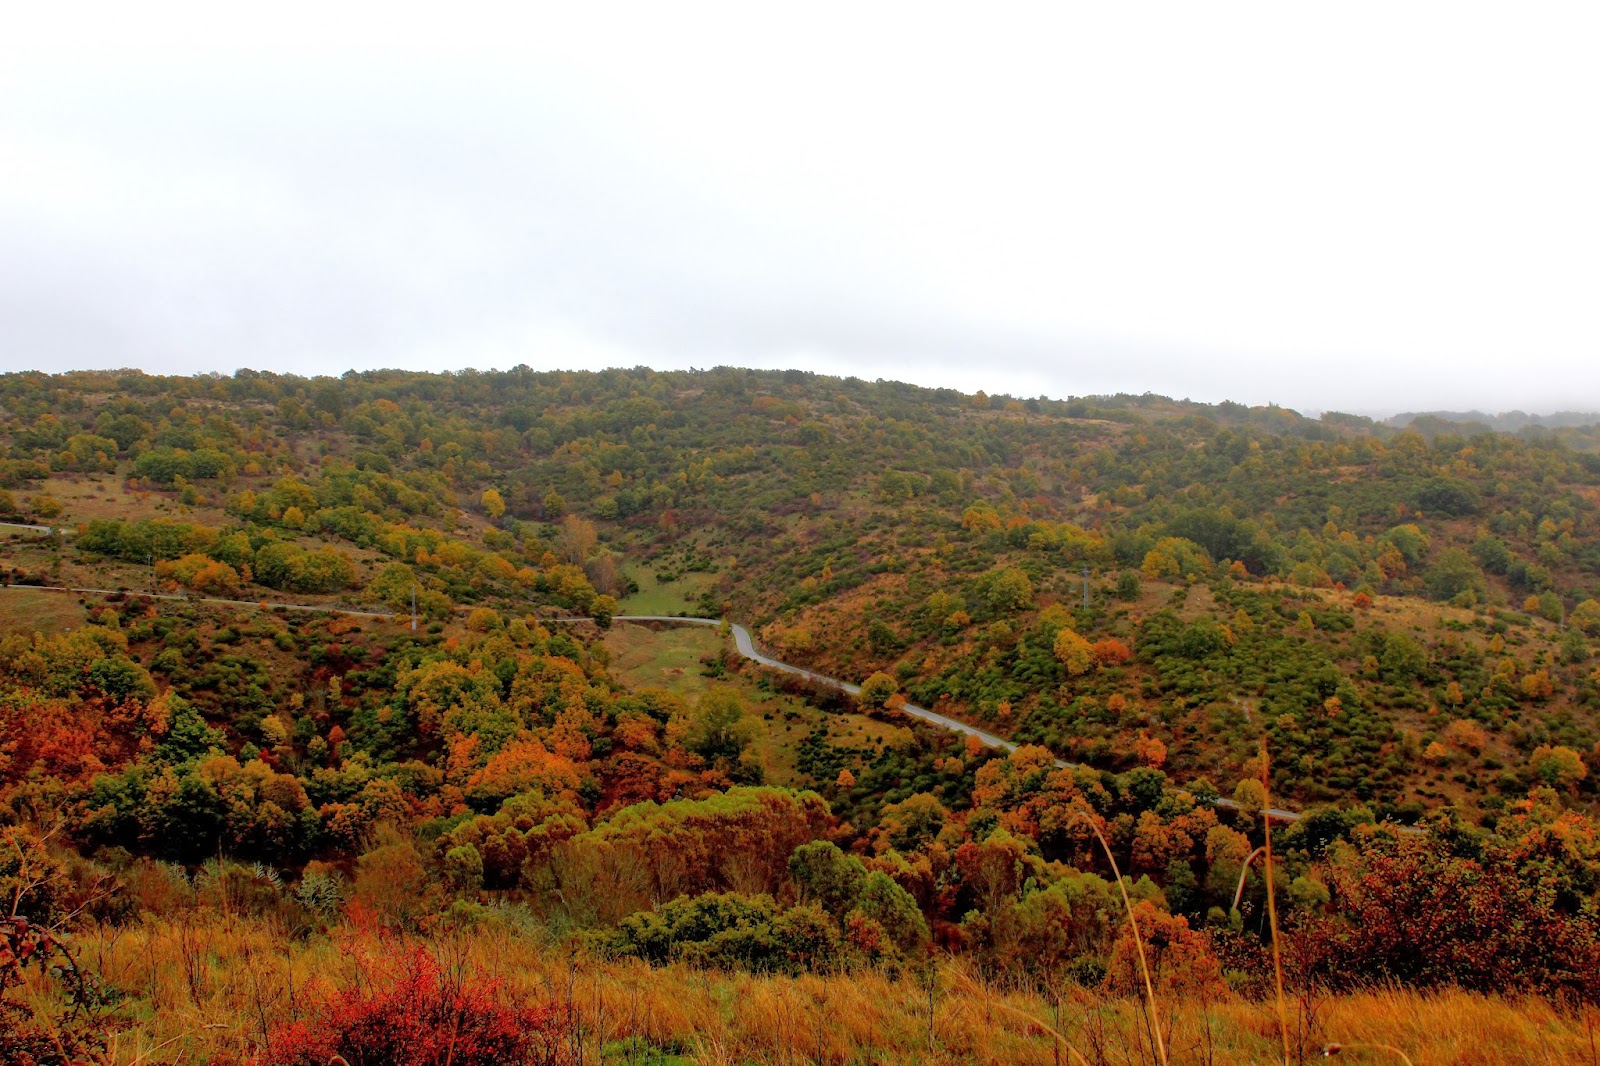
1244 872
1138 940
1272 902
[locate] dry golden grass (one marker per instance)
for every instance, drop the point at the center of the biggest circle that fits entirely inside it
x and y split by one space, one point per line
198 992
86 497
67 567
667 657
27 610
857 730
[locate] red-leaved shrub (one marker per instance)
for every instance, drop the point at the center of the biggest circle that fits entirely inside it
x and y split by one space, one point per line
420 1018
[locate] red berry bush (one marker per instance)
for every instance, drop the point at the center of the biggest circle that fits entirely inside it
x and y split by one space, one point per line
421 1017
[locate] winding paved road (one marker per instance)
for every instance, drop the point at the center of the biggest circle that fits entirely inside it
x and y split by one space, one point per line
259 604
745 643
742 640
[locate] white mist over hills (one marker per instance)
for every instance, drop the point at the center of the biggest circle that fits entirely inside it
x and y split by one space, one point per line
1346 207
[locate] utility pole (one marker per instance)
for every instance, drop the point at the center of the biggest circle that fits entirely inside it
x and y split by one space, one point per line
1086 588
413 607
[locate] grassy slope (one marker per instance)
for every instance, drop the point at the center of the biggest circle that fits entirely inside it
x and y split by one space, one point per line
88 497
829 636
667 658
655 597
28 610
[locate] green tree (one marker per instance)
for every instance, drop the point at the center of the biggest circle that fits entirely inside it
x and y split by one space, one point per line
1005 591
1491 553
1557 766
1250 796
913 821
463 869
719 730
1410 541
1308 893
892 907
877 690
826 875
1403 659
188 737
1445 495
1549 606
1453 574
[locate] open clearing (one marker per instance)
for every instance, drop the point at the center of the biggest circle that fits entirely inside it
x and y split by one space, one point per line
23 609
675 597
669 658
85 498
666 658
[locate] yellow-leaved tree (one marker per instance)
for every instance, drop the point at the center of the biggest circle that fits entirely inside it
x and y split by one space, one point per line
1073 652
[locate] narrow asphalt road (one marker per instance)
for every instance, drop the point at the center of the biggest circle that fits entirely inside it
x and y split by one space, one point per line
742 640
267 604
746 645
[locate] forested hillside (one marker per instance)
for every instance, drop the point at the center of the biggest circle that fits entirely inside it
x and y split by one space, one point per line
1389 630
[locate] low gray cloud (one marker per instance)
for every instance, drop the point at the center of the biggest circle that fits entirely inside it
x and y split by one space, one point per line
1132 218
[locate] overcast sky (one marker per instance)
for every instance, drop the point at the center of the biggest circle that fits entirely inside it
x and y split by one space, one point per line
1368 207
